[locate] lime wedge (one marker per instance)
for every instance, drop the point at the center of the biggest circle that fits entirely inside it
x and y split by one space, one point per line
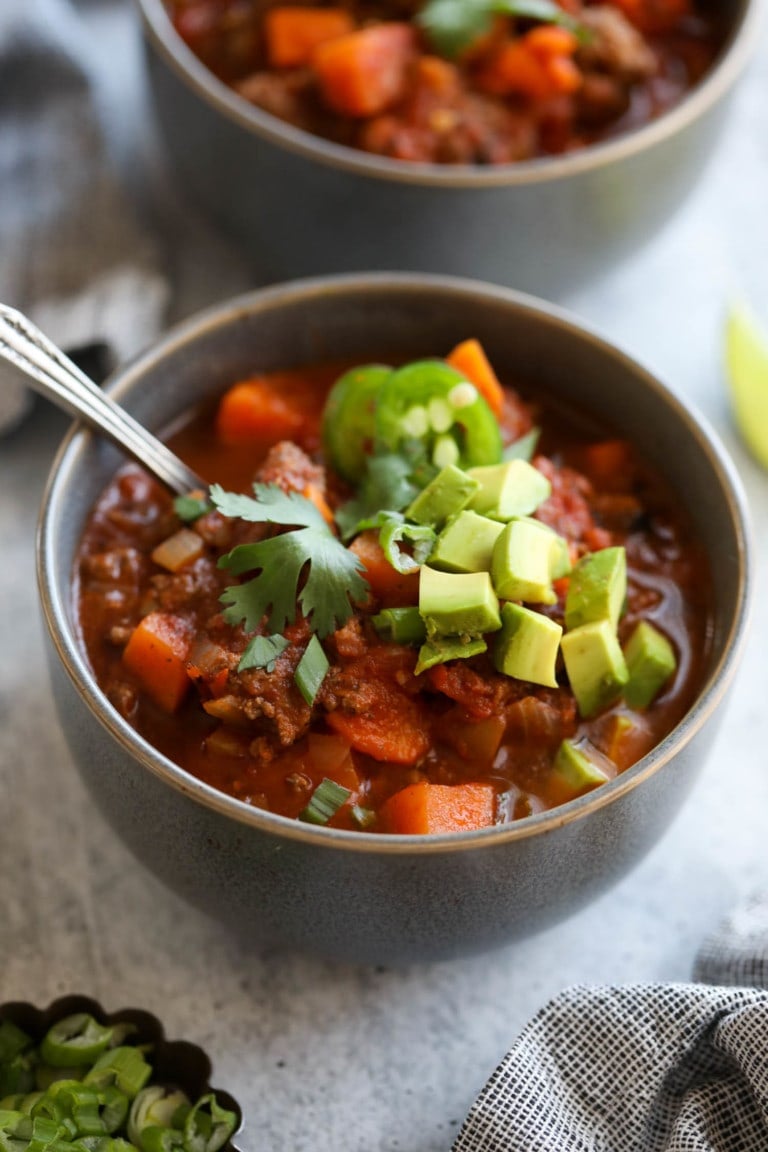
746 364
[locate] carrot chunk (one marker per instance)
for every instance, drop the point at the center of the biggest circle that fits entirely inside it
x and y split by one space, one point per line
256 410
364 73
292 33
425 808
390 728
469 358
394 589
538 65
156 653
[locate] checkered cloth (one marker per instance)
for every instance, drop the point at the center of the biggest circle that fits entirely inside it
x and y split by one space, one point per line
71 252
644 1067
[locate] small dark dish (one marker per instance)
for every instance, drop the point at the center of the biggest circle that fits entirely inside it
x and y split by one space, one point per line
176 1064
354 894
304 205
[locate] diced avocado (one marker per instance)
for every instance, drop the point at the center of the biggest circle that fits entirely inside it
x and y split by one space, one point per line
651 661
595 665
576 767
442 648
515 488
400 625
597 589
449 492
527 645
466 544
521 565
456 604
560 564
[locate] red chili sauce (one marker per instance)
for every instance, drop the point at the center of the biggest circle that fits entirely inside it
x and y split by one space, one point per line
375 727
391 79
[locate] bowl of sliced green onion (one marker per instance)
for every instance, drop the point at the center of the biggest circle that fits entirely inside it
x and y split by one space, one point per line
74 1078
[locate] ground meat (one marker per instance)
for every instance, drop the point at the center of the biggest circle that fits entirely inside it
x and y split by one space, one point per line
284 95
441 121
121 566
289 466
568 509
615 47
271 698
190 587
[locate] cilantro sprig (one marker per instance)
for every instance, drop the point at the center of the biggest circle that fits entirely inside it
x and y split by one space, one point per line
332 574
450 26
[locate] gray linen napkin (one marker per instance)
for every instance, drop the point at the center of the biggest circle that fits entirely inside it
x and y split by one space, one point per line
72 255
644 1067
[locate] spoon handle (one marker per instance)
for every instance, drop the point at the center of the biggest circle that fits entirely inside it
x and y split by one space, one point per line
54 376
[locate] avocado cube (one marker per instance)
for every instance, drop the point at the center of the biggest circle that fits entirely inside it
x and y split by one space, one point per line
449 492
651 661
466 544
521 565
527 645
576 770
443 648
515 488
457 603
595 665
597 589
560 560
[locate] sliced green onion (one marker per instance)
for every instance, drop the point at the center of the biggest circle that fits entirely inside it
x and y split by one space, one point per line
47 1074
77 1039
191 508
208 1126
156 1138
154 1106
13 1041
311 670
17 1075
125 1068
524 447
363 817
400 625
324 802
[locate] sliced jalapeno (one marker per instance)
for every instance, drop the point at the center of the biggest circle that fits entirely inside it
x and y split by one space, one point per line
431 402
75 1040
349 420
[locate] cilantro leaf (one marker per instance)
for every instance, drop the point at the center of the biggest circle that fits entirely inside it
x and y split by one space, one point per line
263 652
271 506
333 580
387 484
452 25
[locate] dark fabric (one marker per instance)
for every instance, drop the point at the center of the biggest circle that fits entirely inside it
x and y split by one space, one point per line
642 1068
72 254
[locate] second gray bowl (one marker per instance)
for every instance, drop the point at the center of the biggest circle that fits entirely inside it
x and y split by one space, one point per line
304 206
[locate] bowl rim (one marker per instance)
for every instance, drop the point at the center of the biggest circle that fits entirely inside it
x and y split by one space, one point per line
715 85
79 439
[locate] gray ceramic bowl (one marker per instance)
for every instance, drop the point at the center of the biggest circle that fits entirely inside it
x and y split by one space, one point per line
356 895
304 206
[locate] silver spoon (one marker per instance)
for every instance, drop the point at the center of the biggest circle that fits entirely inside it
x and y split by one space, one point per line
54 376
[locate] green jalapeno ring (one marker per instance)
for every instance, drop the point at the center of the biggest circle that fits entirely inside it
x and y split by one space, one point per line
432 402
349 419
